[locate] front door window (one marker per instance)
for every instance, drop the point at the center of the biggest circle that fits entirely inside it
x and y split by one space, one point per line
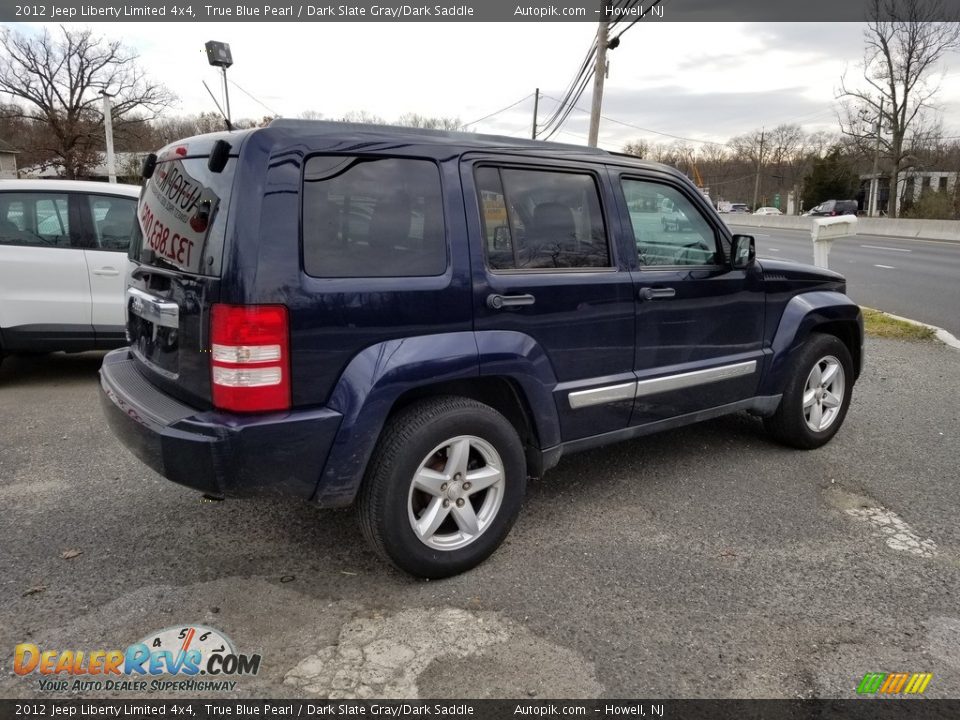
667 227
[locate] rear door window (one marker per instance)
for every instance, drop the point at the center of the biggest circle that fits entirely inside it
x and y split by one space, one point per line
541 220
372 217
113 219
38 219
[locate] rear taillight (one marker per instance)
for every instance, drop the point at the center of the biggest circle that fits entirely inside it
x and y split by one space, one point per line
250 357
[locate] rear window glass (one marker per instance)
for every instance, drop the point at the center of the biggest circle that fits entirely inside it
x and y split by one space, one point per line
182 214
372 218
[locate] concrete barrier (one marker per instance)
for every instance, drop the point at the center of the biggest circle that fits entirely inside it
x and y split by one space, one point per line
887 227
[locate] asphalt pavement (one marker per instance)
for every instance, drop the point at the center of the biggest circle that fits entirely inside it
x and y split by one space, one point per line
703 562
918 279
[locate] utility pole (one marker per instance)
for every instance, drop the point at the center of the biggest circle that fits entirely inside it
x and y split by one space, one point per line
756 185
599 73
108 127
875 180
536 106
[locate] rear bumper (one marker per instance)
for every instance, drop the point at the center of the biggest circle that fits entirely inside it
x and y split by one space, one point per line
213 452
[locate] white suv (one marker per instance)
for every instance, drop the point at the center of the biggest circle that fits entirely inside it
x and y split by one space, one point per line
63 263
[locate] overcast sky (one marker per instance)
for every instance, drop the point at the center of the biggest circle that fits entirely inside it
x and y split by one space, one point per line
703 81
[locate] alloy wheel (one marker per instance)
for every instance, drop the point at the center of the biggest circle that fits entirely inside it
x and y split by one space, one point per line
456 493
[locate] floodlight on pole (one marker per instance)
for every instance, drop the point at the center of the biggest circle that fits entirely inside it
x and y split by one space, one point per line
108 129
219 55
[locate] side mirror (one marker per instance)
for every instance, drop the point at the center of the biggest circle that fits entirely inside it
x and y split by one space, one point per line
744 251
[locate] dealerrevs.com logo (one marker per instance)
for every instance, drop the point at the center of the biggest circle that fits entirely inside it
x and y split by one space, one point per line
189 658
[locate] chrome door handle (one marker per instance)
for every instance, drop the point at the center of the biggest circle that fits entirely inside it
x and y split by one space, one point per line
649 293
498 302
108 271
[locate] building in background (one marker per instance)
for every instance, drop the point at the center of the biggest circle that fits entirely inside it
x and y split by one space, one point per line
910 186
8 161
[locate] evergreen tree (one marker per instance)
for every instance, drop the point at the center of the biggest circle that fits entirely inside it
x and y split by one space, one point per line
830 178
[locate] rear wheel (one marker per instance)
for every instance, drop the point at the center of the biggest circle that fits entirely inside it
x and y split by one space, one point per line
816 396
443 487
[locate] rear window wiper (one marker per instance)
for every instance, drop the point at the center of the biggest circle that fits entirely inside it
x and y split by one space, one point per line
149 257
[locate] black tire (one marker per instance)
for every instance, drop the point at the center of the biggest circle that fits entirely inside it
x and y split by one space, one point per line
788 424
387 503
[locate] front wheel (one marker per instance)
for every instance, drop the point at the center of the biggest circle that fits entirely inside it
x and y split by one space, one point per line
816 395
443 487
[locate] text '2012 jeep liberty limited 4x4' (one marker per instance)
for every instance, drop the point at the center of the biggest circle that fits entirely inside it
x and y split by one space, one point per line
419 320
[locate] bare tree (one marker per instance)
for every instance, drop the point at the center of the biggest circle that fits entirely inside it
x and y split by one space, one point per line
637 148
786 156
748 147
905 39
362 116
57 83
429 123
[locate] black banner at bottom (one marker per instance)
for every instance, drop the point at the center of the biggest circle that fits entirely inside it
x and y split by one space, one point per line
866 709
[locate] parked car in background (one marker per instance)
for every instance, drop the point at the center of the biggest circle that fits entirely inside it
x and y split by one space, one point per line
741 208
672 218
63 264
835 207
498 305
767 211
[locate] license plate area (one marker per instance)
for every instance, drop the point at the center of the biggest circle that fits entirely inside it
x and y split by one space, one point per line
154 328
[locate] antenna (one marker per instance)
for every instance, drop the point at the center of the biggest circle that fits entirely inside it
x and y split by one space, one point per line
220 109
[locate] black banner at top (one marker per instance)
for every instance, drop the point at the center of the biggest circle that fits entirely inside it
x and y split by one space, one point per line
99 11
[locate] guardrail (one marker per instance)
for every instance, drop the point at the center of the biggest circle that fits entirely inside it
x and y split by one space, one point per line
887 227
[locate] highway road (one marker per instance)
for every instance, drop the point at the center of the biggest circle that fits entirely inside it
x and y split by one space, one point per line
918 279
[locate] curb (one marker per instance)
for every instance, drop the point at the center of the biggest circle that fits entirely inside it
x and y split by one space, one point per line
942 335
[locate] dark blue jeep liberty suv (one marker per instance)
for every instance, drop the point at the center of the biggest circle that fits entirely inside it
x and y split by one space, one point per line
420 320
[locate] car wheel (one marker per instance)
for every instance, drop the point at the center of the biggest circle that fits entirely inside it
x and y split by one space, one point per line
816 396
443 487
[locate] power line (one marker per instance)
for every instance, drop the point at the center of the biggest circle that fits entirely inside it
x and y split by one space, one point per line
570 106
497 112
274 112
626 5
616 38
727 182
658 132
578 85
648 130
582 76
572 87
